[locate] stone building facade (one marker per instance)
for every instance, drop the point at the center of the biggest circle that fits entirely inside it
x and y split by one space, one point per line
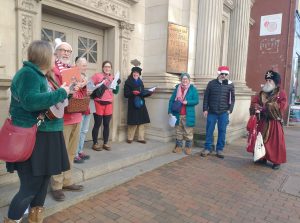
122 30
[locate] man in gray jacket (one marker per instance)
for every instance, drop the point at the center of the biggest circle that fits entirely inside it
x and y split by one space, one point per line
218 103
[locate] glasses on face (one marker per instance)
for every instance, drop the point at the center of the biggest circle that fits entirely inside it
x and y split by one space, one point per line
224 74
107 66
65 51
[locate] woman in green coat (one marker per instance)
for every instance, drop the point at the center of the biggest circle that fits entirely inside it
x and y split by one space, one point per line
186 95
32 95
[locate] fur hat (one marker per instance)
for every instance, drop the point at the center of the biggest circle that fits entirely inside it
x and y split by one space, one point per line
223 70
270 74
185 74
59 42
137 69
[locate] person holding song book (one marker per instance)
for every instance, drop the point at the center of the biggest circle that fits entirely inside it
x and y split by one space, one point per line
103 96
32 94
63 181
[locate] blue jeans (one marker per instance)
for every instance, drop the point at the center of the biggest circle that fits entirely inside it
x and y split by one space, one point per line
84 128
212 119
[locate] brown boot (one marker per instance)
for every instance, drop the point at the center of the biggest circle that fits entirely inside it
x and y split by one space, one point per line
188 151
7 220
177 149
36 215
97 147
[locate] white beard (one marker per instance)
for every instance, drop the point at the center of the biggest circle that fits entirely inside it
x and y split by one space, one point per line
64 60
268 87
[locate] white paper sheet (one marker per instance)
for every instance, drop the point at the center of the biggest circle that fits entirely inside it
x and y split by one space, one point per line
172 120
151 89
91 87
92 106
114 83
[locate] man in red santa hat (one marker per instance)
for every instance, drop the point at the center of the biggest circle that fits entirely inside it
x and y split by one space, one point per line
218 103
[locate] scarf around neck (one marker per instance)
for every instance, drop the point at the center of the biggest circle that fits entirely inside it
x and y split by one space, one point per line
179 95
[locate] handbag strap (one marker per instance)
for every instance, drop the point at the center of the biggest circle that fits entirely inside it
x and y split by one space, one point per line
40 117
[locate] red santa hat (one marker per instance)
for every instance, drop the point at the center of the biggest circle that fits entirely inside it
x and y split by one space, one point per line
223 70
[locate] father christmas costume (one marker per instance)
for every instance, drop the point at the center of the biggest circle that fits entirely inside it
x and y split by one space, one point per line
271 106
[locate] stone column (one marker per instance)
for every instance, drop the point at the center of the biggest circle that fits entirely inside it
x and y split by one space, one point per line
209 31
238 40
28 26
125 36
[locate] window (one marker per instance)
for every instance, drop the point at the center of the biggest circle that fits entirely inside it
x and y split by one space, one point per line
50 35
87 48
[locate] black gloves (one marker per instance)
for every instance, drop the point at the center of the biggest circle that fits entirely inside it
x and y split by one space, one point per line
119 81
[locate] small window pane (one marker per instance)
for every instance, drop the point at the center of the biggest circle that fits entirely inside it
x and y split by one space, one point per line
88 47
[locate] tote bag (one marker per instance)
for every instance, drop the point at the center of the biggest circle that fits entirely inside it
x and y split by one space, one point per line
259 149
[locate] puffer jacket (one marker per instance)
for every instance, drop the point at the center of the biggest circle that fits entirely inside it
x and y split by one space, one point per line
219 97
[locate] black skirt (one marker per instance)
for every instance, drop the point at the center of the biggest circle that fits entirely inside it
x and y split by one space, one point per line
49 156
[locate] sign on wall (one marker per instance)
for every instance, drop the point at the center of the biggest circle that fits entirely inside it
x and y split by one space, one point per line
270 25
177 48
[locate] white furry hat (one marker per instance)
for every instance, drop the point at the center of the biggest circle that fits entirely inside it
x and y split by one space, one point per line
58 43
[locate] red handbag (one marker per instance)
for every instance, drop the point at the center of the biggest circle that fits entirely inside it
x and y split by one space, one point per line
252 130
16 143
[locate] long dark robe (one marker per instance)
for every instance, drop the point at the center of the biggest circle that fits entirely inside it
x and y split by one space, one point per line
272 106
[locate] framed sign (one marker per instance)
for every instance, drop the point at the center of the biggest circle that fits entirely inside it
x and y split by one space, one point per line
270 25
177 48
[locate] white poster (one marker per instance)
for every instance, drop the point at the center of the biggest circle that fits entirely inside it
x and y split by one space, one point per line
270 25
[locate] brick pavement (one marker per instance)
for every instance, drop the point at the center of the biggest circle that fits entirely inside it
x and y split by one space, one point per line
196 189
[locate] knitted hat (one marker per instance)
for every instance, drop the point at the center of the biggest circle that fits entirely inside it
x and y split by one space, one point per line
185 74
273 76
223 70
59 43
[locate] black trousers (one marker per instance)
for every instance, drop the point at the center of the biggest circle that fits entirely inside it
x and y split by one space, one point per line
98 121
32 192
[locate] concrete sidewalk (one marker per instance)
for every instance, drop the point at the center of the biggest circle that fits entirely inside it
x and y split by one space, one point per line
197 189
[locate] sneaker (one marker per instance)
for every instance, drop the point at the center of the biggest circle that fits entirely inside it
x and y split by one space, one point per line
220 154
84 156
97 147
77 159
205 153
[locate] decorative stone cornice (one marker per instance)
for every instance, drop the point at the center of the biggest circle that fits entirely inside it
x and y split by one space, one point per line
132 1
126 25
27 5
112 8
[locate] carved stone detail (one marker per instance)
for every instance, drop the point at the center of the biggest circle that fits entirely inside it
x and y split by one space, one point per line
27 5
111 8
26 34
126 29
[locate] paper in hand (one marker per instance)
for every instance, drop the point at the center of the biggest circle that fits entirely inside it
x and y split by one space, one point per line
172 120
91 87
152 89
114 83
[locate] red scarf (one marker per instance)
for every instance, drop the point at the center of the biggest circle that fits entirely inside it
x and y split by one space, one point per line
179 95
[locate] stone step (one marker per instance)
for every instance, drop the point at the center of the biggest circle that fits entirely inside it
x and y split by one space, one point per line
103 171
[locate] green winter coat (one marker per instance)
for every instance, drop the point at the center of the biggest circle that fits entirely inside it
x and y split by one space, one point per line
192 99
30 96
